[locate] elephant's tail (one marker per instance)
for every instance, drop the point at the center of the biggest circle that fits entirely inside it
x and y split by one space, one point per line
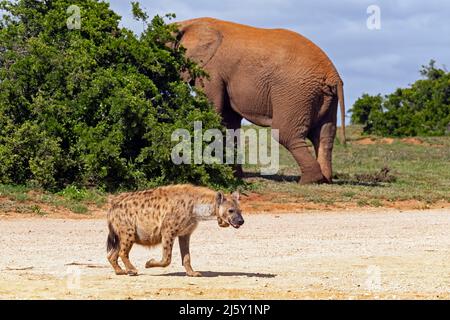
340 93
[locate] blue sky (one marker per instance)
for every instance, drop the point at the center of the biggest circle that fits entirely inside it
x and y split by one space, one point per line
373 61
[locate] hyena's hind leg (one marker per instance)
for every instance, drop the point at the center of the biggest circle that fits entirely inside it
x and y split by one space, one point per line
113 258
167 243
126 242
112 247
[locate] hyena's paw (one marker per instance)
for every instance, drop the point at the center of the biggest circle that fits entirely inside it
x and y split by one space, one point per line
193 274
120 272
132 272
151 263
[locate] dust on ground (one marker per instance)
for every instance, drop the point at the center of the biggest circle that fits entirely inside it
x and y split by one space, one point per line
252 203
276 202
370 141
378 253
410 140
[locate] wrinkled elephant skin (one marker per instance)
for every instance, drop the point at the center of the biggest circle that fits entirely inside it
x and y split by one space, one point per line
271 77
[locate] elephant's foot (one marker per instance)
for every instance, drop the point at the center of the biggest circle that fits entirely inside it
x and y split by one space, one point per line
312 177
238 172
328 180
310 168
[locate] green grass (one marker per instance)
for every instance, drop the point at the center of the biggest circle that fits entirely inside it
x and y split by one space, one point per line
37 210
79 208
418 172
22 199
74 194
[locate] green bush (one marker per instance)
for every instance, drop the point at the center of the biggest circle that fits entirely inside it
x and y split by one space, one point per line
420 110
95 106
365 109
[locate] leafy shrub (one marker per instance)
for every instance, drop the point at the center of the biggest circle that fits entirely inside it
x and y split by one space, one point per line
422 109
95 106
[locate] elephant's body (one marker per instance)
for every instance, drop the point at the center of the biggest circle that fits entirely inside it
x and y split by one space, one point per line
271 78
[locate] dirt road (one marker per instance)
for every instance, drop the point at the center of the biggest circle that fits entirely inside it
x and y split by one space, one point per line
344 255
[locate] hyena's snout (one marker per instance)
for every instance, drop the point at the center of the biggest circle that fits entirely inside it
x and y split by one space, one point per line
237 220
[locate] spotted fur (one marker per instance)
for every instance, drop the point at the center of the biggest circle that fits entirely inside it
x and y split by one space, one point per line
158 216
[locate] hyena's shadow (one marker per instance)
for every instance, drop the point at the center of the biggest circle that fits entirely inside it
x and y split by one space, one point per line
214 274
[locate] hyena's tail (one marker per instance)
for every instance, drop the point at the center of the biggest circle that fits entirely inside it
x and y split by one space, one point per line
113 241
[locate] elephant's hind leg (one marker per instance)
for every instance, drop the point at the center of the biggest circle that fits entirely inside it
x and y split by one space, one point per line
325 150
311 172
323 139
293 119
293 141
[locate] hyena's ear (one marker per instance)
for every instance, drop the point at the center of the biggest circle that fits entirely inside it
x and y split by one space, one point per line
236 196
220 198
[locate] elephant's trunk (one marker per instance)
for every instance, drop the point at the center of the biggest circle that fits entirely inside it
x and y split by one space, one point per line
340 94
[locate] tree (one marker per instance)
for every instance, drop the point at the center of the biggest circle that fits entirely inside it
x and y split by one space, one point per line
95 106
364 110
422 109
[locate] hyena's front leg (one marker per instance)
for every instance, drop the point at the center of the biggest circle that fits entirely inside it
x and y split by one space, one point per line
167 243
186 257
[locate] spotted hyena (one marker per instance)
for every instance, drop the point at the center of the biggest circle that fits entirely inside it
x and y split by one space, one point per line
159 216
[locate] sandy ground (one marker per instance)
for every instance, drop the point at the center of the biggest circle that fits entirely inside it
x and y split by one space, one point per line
334 255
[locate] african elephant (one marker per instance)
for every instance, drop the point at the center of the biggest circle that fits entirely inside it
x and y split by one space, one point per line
271 77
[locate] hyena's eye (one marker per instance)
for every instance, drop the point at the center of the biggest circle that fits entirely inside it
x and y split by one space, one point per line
230 210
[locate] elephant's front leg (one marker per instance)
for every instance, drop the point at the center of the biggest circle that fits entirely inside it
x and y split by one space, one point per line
232 120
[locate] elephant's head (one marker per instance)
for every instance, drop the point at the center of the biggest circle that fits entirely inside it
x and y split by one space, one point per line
200 39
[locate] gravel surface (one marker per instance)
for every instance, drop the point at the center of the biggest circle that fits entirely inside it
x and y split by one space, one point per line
334 255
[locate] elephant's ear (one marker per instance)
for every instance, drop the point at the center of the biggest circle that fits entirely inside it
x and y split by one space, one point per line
201 41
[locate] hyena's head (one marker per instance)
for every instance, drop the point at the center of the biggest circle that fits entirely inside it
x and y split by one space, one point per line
229 211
